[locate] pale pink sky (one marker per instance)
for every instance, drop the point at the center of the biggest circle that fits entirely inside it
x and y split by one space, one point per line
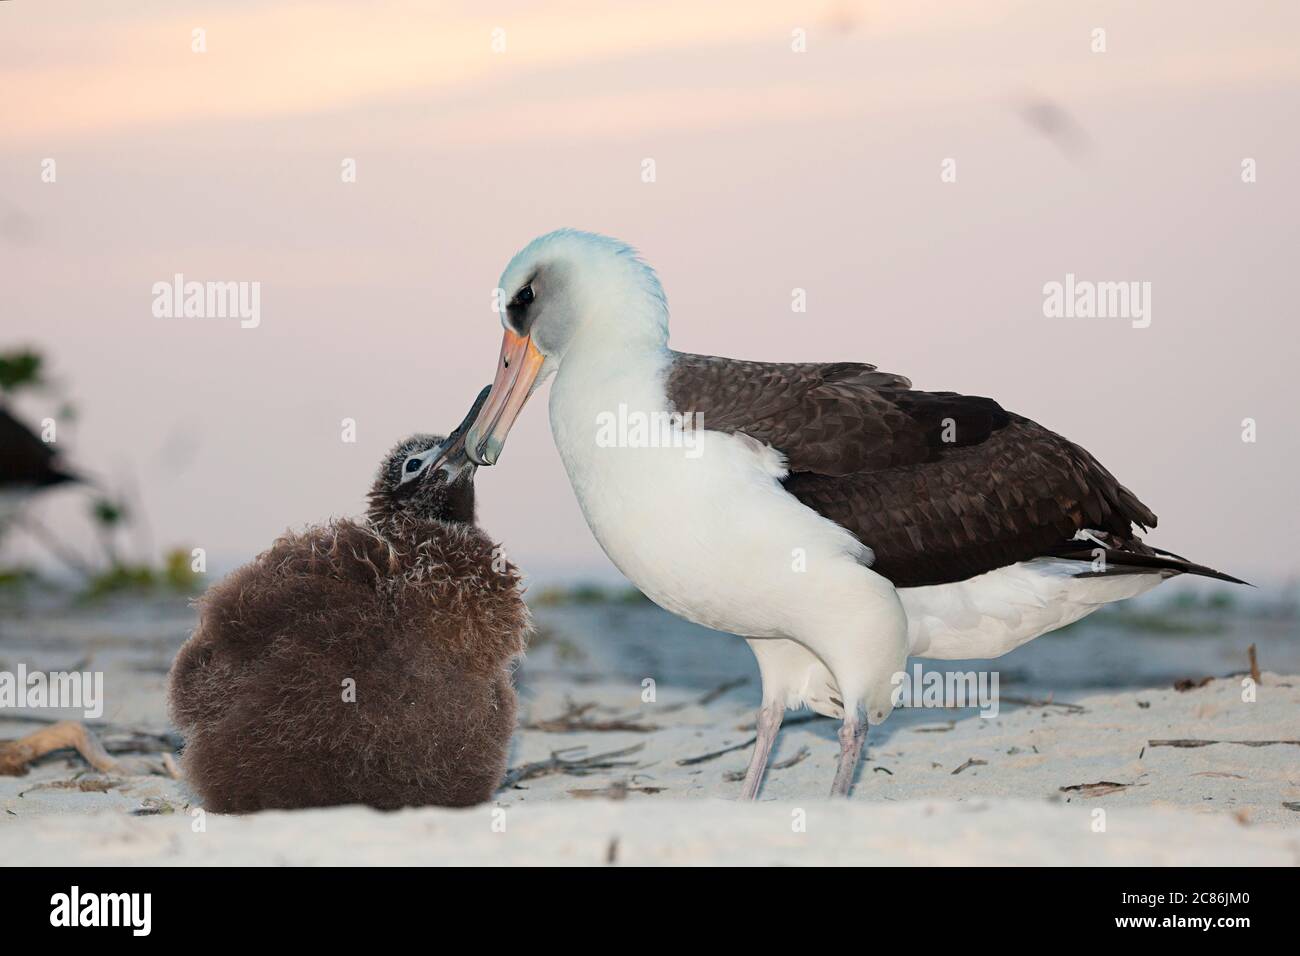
776 170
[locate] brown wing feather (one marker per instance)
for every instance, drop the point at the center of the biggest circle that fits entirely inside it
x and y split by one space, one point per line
826 418
941 486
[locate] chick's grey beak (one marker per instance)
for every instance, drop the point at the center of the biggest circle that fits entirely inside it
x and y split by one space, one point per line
453 461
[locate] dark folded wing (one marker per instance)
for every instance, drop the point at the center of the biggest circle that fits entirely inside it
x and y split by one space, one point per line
827 418
941 486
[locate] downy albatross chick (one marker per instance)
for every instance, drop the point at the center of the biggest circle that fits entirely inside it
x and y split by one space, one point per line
359 661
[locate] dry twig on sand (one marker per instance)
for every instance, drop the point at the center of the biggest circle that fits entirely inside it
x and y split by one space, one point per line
713 755
15 755
1045 702
576 766
573 720
91 783
802 754
1206 743
618 791
707 698
1099 789
940 729
721 689
794 721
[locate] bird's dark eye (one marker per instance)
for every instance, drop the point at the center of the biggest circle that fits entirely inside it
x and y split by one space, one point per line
525 295
413 465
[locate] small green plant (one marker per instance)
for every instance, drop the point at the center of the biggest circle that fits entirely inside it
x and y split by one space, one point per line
121 578
20 369
179 572
174 576
109 516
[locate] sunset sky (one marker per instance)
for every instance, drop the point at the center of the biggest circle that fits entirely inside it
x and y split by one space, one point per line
776 170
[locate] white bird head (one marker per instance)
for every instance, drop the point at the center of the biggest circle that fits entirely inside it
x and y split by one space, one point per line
565 291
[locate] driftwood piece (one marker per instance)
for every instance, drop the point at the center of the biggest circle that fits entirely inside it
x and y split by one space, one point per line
16 755
116 738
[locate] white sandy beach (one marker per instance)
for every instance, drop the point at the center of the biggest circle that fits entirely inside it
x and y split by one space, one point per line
789 314
659 779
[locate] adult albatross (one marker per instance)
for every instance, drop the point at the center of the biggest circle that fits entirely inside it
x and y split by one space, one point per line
832 515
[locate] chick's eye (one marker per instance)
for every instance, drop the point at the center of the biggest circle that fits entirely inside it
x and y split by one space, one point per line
525 295
412 465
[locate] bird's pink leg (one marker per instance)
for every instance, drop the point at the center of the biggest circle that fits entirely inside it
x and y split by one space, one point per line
769 722
853 736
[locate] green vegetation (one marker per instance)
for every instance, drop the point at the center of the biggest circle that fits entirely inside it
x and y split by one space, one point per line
174 576
178 571
16 578
1162 622
1182 613
20 369
587 594
118 578
1193 601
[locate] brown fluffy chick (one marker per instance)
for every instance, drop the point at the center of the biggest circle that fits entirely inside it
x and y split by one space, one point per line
414 607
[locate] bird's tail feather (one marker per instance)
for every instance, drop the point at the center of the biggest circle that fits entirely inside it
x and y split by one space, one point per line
1133 556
